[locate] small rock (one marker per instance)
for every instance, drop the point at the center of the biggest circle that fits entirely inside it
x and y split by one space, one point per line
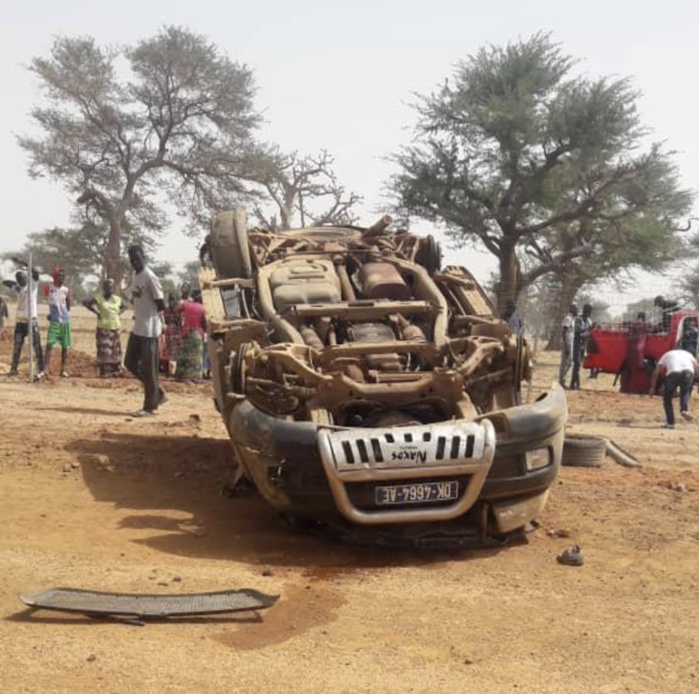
91 658
177 579
468 661
75 465
67 467
558 532
573 556
163 583
267 572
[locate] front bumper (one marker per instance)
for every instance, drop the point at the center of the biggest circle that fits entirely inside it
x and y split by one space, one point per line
303 469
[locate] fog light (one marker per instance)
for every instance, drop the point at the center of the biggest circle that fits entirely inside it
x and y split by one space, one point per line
538 458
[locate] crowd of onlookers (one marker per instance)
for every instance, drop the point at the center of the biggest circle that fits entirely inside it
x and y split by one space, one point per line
166 337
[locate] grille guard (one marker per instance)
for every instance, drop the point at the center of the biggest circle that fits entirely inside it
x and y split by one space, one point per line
446 449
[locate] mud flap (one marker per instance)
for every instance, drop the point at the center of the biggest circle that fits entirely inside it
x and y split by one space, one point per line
146 606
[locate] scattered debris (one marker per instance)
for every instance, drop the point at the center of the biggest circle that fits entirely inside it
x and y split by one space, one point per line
621 456
558 532
267 572
67 468
91 658
675 486
115 605
573 556
583 451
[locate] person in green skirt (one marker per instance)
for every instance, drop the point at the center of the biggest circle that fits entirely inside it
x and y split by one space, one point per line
190 365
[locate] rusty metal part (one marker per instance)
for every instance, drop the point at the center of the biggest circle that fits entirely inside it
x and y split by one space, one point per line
359 310
310 337
409 331
383 281
92 602
379 226
348 293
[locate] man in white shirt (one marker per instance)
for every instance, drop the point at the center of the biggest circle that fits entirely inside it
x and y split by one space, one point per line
679 368
24 328
567 336
141 357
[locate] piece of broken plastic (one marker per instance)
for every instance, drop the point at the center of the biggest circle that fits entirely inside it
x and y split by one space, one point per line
148 605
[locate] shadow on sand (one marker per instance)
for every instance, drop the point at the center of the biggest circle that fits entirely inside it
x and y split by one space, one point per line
173 484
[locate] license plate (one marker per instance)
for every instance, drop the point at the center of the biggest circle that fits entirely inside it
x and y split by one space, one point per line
416 493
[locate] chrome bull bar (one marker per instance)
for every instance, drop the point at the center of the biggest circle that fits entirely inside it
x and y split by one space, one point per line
446 449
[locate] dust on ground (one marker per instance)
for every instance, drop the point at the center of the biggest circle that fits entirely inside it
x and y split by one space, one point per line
96 499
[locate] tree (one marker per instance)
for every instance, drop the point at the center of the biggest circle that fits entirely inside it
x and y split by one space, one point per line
178 124
518 155
303 185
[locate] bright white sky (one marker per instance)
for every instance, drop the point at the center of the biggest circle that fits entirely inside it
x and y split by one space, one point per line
339 74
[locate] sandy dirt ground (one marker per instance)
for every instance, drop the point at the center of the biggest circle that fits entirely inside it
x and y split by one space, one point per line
92 498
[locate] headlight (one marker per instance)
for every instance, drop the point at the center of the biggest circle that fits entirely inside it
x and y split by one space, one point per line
538 458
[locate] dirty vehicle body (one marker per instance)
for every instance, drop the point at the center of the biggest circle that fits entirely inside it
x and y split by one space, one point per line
369 392
631 350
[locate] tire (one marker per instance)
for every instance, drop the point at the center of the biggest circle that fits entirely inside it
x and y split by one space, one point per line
430 256
229 245
583 451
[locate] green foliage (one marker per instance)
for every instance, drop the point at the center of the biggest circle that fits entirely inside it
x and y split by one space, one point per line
541 167
122 127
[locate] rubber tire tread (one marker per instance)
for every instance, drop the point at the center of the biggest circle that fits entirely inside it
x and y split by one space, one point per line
583 451
619 455
230 251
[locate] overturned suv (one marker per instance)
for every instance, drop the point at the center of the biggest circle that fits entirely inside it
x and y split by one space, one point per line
368 391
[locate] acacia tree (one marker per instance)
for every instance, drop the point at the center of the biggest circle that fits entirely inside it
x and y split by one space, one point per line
121 127
515 151
303 186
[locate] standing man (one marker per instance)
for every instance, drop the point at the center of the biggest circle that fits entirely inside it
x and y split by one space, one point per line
581 334
667 308
514 320
567 336
142 349
679 368
59 321
4 315
22 327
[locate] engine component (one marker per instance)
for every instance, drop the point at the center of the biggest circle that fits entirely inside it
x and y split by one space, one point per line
371 332
383 281
304 282
310 337
409 331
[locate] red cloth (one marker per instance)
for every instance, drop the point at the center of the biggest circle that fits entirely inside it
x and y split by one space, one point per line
193 315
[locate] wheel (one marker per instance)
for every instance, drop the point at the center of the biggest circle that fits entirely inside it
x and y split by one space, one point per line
430 255
583 451
229 245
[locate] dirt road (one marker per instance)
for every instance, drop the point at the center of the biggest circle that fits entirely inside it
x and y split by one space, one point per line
94 499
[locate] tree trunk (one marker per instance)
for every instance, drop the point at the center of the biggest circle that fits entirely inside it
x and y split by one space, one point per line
113 261
508 285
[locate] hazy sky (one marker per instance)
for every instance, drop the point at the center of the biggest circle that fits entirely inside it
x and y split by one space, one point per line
340 74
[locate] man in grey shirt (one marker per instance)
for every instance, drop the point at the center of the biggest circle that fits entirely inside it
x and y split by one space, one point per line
141 357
